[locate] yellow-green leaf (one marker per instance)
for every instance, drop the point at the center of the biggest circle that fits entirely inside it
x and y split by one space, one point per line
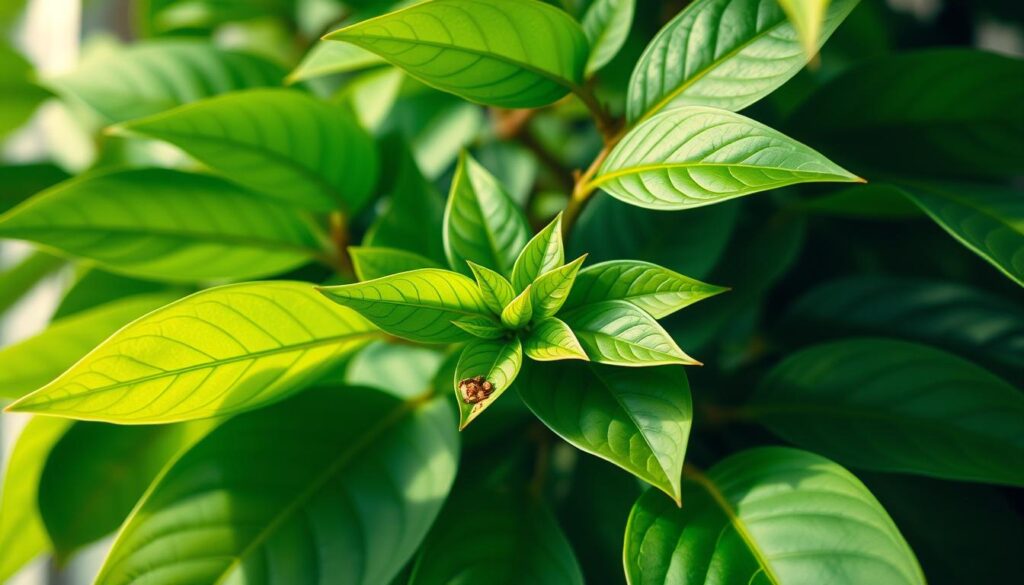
619 333
550 340
542 253
498 362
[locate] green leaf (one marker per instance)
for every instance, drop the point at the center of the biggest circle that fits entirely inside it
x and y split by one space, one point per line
988 220
518 312
371 263
870 201
482 327
506 536
278 142
542 253
20 278
332 58
768 515
220 351
414 217
93 287
693 156
19 96
965 125
896 406
985 328
97 472
403 370
153 76
22 533
606 24
35 361
516 55
721 53
619 333
551 289
371 96
638 419
167 225
339 484
175 15
657 290
495 288
418 305
550 340
498 362
481 222
807 17
23 181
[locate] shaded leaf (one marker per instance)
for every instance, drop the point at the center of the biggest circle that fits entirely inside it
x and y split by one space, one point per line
550 340
516 55
897 406
606 24
639 419
167 225
220 351
616 332
518 312
658 291
767 515
497 361
278 142
371 263
693 156
552 288
332 58
19 279
403 370
23 181
263 482
495 288
93 287
19 95
544 252
482 327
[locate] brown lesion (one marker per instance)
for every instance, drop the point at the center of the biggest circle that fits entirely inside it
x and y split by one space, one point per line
475 390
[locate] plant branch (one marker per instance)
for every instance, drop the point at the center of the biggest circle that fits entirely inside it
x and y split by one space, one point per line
339 240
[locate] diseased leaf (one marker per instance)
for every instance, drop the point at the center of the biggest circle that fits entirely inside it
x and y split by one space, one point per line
220 351
497 362
482 327
807 17
616 332
501 537
518 54
658 291
371 263
639 419
482 223
550 340
278 142
158 75
721 53
552 288
606 24
22 533
266 483
419 305
896 406
332 58
35 361
167 225
767 515
495 288
544 252
988 220
518 312
693 156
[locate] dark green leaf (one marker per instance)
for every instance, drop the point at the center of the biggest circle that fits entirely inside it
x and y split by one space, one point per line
23 181
498 362
371 263
657 290
619 333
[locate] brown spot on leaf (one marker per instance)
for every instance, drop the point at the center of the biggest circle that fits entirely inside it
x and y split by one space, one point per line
475 389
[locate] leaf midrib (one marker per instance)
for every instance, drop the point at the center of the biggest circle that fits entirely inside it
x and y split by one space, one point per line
636 170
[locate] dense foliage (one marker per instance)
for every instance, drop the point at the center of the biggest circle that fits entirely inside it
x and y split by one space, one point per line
278 324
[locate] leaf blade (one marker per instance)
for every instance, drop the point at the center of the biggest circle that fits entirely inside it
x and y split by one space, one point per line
606 24
371 262
618 333
658 291
551 339
544 252
498 362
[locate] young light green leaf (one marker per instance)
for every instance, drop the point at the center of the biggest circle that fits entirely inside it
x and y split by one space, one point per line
354 455
481 222
220 351
22 533
371 263
519 54
619 333
153 76
896 406
721 53
551 340
482 327
606 24
278 142
807 17
371 96
638 419
542 253
35 361
551 289
419 305
657 290
485 370
518 312
502 536
112 464
332 58
693 156
495 288
988 220
768 515
167 225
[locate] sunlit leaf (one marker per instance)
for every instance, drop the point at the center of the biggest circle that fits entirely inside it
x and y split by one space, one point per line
616 332
807 17
551 339
497 362
482 327
542 253
551 290
495 288
331 58
519 311
606 25
657 290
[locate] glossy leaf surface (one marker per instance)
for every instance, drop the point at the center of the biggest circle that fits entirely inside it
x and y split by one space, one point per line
552 288
371 263
657 290
693 156
495 288
542 253
220 351
333 58
606 25
482 327
616 332
518 312
551 339
497 361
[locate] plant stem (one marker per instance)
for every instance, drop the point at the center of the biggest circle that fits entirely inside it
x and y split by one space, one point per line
339 239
